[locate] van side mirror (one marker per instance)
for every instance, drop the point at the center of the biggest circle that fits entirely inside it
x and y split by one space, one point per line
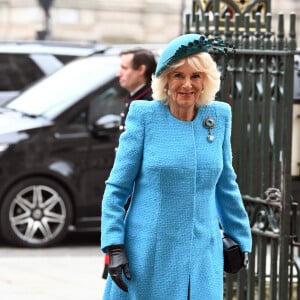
107 123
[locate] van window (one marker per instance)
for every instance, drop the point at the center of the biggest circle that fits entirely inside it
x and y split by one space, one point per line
17 71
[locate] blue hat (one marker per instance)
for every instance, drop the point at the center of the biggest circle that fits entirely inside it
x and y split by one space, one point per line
186 45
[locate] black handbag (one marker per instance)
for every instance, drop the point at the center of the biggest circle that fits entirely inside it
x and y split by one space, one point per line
233 256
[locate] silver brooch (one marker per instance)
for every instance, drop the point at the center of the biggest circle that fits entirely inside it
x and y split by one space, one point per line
209 123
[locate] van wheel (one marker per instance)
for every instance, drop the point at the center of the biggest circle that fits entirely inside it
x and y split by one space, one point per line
36 212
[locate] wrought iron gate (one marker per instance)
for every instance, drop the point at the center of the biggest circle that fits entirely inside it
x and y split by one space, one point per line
258 83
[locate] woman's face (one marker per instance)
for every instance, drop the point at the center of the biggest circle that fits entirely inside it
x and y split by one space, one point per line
184 86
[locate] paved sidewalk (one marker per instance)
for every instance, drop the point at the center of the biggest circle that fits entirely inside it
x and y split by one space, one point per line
51 274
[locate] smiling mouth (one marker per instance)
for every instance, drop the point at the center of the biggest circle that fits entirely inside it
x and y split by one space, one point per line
186 93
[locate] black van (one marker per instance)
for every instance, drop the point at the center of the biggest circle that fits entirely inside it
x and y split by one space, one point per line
57 142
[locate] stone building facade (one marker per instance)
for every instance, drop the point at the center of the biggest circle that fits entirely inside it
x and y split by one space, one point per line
113 21
145 21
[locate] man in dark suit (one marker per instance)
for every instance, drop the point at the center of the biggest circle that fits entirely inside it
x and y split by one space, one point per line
135 74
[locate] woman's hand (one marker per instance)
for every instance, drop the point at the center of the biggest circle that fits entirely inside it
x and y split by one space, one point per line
118 264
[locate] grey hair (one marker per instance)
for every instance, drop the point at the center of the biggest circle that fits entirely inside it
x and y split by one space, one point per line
204 63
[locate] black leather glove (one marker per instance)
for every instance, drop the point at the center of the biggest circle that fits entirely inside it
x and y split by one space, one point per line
118 264
245 260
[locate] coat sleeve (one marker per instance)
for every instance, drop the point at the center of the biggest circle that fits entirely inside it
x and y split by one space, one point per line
233 216
120 183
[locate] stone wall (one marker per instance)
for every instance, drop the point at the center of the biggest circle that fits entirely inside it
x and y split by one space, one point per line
110 20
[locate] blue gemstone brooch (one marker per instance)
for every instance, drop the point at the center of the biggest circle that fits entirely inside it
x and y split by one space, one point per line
209 123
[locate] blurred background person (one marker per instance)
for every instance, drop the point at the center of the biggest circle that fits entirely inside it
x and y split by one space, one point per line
136 69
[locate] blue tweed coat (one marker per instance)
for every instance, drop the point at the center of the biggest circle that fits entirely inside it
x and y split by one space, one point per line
182 185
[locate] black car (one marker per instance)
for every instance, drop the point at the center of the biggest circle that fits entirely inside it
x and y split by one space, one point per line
24 62
57 145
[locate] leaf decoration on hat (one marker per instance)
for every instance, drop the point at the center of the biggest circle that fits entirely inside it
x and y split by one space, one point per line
207 44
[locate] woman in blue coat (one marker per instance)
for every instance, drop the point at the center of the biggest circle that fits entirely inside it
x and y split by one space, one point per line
175 159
